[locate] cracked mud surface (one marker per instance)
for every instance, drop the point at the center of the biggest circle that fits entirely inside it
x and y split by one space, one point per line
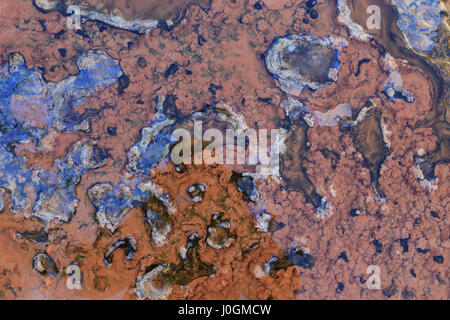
381 212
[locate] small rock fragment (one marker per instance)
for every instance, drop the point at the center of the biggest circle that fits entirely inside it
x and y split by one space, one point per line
44 264
128 244
301 258
219 234
196 192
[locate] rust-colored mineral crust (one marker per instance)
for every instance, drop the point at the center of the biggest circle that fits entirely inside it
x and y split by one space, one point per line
364 177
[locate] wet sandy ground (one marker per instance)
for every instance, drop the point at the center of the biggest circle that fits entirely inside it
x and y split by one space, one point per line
224 47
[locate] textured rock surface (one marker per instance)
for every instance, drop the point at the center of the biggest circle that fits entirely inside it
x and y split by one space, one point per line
77 159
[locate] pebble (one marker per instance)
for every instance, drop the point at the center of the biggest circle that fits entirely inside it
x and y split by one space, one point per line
343 256
141 62
355 213
438 259
313 14
257 6
44 264
172 69
311 3
378 246
112 131
196 192
62 52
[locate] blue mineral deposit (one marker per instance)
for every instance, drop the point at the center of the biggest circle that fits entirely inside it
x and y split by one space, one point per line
48 195
394 85
393 91
30 107
268 264
300 258
303 61
153 147
112 201
418 20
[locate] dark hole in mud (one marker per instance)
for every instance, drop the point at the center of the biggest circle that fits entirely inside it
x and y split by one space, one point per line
360 63
313 63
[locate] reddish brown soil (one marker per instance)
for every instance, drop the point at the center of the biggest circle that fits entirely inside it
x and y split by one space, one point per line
230 56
